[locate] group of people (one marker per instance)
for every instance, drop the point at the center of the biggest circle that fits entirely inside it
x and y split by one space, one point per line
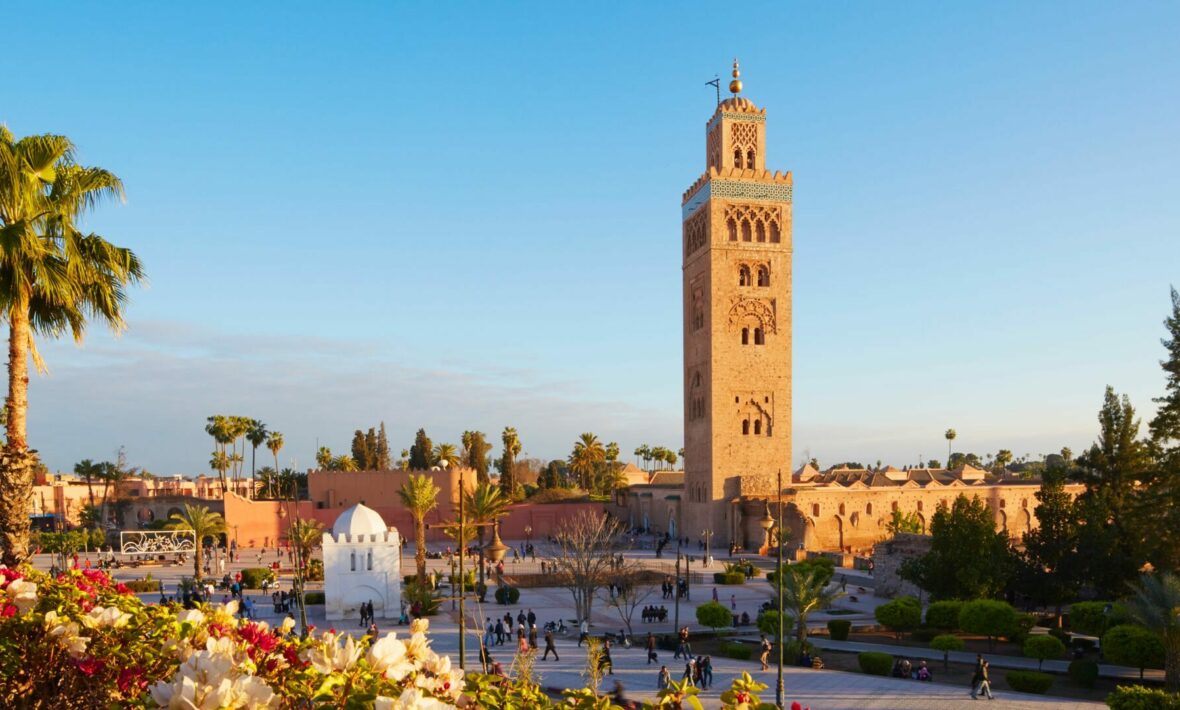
679 587
653 613
367 613
903 668
980 681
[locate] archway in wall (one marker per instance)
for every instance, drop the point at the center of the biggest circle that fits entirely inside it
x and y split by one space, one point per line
922 520
1001 521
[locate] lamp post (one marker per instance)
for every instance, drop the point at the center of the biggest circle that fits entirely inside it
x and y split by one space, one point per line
676 623
707 535
528 538
778 693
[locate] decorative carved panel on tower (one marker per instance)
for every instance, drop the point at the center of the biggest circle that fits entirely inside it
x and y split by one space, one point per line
761 310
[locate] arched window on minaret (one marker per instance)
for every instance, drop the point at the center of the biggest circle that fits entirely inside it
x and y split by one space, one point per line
759 337
763 276
760 231
352 561
757 427
745 336
750 159
732 230
774 233
737 157
744 276
369 565
745 427
745 230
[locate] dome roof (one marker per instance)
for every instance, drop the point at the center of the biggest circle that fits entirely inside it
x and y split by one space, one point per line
359 520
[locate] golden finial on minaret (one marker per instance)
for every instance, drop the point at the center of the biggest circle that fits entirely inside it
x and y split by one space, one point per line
735 86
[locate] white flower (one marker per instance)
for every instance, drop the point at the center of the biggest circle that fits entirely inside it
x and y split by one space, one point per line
231 608
420 625
65 633
23 594
191 616
253 693
388 656
412 699
100 617
209 680
287 625
331 656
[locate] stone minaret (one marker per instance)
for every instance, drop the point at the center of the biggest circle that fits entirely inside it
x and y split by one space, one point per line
737 324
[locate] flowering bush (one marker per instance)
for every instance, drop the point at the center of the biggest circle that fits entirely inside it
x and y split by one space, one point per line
82 641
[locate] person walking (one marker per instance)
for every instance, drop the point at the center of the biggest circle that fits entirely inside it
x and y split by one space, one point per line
583 632
985 685
688 672
499 632
550 647
664 679
533 636
765 657
605 662
706 665
652 656
976 676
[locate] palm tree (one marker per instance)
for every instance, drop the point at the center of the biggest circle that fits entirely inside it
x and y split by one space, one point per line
274 442
588 454
483 505
804 593
53 279
420 496
256 435
641 453
89 471
267 478
323 458
219 462
305 535
1155 603
344 462
446 456
239 427
512 448
203 523
1003 458
950 436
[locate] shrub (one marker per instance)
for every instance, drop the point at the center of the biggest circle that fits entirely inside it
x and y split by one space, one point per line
924 634
900 615
1060 634
422 601
946 643
875 663
1134 646
507 595
1083 672
714 615
1136 697
315 571
944 616
768 624
739 651
142 586
313 597
410 579
729 578
1029 681
1020 630
838 629
252 577
1093 619
989 618
792 651
827 568
1042 647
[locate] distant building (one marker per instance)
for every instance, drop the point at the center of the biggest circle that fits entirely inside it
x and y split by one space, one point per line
361 564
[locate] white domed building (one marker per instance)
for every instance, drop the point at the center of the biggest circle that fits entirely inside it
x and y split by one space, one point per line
361 564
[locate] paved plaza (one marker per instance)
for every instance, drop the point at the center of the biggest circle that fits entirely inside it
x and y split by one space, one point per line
830 690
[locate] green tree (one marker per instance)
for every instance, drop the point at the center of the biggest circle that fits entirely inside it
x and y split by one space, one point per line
1157 504
768 624
203 523
475 453
344 462
421 452
305 535
323 458
899 615
804 593
507 465
384 458
946 643
587 456
89 472
968 558
274 442
714 615
1003 458
1165 425
419 495
256 435
445 455
900 522
219 462
483 505
551 476
944 615
1050 564
360 450
1134 646
1043 647
950 435
988 617
1155 603
53 280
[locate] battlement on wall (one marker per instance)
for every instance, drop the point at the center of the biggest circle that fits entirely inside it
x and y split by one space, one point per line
390 537
776 176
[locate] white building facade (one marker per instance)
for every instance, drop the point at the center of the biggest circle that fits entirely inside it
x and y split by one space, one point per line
361 564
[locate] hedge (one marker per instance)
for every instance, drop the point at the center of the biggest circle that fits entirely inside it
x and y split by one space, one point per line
252 577
1093 619
1083 672
944 616
729 578
924 634
507 595
1029 681
142 586
875 663
1136 697
313 597
900 615
738 651
838 629
1134 646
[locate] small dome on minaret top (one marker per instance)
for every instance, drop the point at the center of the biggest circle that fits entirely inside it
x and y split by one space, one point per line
735 86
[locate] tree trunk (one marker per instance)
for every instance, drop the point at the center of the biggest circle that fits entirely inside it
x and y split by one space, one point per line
420 553
1172 665
17 462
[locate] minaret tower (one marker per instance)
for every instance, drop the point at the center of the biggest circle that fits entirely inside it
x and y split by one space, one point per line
737 323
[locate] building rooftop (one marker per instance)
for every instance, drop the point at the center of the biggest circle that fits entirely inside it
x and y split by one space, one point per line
359 520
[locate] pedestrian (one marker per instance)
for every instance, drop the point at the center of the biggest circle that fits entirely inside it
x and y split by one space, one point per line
652 657
733 602
688 672
532 618
664 679
714 593
706 672
499 632
489 633
522 642
583 632
976 676
533 636
550 646
985 685
765 657
604 661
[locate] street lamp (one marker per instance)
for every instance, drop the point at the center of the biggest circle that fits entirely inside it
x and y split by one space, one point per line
707 534
528 537
778 693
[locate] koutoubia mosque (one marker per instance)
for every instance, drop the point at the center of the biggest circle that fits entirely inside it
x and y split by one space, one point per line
736 250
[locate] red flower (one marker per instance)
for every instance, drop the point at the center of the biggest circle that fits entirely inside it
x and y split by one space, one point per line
90 666
122 588
796 706
130 679
217 630
9 610
292 655
257 638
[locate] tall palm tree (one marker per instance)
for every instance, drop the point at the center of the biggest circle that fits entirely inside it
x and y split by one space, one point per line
219 462
203 523
305 535
239 427
950 436
420 496
267 478
588 454
484 505
446 456
804 593
323 458
1155 603
344 462
89 471
512 448
274 442
53 279
256 435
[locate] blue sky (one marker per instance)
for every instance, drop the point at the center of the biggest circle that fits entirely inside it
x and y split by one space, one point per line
467 216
